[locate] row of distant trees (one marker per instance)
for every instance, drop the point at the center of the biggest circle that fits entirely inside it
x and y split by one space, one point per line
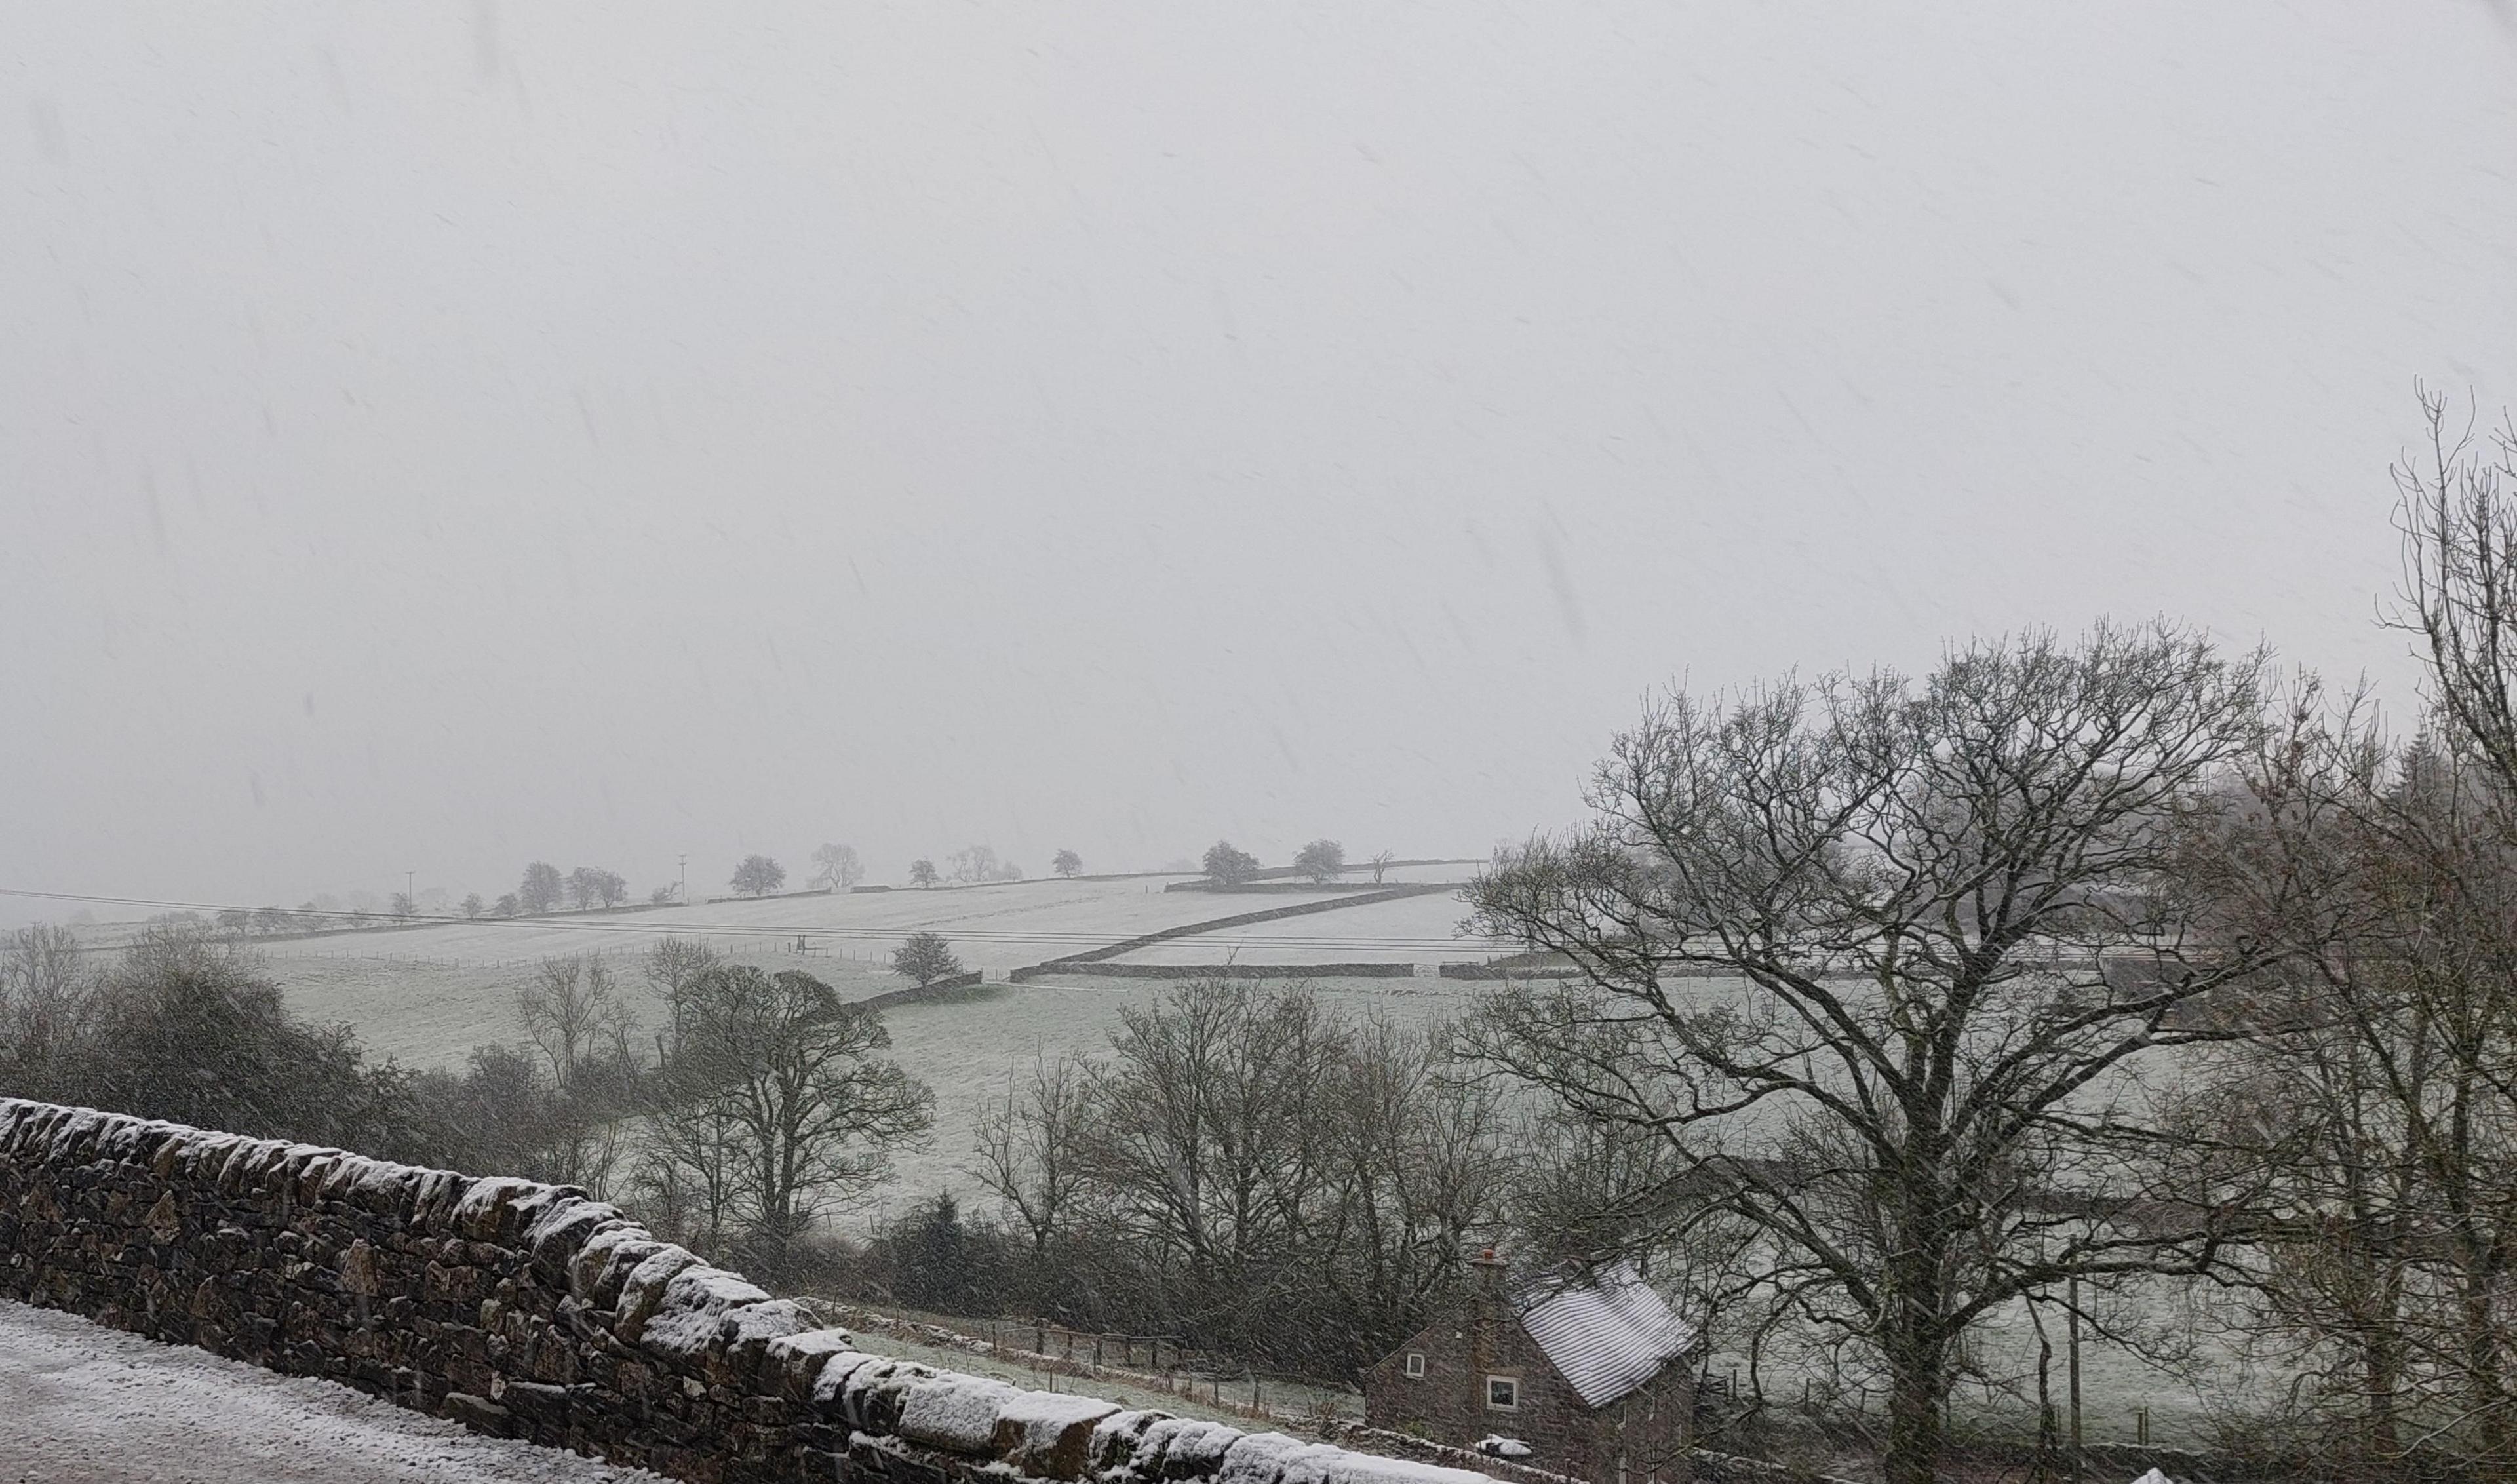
837 867
1321 861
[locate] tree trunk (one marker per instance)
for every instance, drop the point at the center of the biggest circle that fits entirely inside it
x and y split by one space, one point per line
2485 1398
1913 1418
2383 1377
1913 1343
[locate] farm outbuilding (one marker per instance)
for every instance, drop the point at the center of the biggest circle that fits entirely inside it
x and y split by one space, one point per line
1582 1372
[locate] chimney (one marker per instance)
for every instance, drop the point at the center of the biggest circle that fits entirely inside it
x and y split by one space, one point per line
1488 1311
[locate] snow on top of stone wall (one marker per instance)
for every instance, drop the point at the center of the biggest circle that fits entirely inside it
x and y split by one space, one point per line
668 1301
831 1384
1041 1418
1273 1458
809 1345
759 1323
1152 1445
1041 1433
955 1412
686 1320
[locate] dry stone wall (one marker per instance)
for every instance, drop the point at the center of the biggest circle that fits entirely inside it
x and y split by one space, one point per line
531 1311
1095 960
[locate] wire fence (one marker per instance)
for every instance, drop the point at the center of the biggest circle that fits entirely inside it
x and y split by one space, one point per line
1161 1363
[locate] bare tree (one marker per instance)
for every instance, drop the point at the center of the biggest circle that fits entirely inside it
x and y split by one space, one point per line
572 1009
689 1172
759 875
1067 864
2456 510
1026 1149
1206 1142
791 1071
922 873
591 886
2379 1096
585 1034
671 965
1321 860
541 890
1251 1167
835 867
1381 863
924 959
1944 947
973 865
1228 865
48 988
1416 1182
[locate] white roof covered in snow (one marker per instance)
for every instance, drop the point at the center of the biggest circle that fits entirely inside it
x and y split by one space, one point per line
1607 1333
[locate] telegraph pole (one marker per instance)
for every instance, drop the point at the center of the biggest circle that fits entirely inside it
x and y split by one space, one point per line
411 892
683 892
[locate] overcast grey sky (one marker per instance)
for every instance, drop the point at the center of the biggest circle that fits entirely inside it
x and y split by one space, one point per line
436 436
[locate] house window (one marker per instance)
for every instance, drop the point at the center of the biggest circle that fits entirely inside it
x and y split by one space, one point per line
1503 1393
1415 1364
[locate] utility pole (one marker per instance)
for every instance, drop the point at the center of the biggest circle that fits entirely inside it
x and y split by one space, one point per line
411 892
682 893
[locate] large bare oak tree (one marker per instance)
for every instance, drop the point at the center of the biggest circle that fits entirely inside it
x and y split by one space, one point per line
1886 967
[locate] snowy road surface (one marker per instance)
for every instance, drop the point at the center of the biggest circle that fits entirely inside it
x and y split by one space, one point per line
82 1404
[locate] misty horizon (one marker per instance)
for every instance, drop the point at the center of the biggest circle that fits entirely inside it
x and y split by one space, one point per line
443 440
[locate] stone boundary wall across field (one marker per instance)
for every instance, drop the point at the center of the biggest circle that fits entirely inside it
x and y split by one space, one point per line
950 990
1378 970
531 1311
1096 958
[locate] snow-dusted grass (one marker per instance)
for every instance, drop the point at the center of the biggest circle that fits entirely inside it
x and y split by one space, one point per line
993 928
2117 1385
427 996
1360 874
432 1014
1005 1358
82 1404
1410 930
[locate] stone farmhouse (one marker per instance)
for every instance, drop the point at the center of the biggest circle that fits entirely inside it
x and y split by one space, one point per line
1583 1374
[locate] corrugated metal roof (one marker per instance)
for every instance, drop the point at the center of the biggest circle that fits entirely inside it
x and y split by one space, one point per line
1607 1331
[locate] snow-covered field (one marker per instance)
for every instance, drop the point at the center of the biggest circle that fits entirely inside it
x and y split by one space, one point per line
425 1013
427 996
996 928
1410 930
82 1404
